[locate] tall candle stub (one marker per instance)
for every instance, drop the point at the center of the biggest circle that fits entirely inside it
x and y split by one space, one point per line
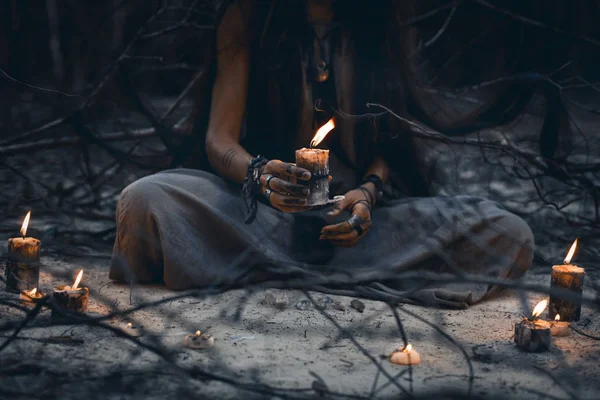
23 261
316 161
570 277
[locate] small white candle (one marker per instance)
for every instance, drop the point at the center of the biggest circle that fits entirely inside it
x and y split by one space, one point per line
405 356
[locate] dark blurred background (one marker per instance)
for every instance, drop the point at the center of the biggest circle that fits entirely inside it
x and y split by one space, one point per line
93 95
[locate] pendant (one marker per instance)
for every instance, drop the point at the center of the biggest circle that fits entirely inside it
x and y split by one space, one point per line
322 72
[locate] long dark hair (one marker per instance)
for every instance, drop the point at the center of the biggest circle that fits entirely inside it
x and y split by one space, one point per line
278 33
385 43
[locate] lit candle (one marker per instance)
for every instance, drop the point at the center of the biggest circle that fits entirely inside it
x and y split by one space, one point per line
559 328
316 161
31 297
70 298
570 277
199 340
405 356
533 334
23 263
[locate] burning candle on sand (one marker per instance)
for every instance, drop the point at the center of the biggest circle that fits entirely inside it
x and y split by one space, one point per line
23 263
316 161
199 340
533 334
559 328
405 356
570 277
71 298
31 297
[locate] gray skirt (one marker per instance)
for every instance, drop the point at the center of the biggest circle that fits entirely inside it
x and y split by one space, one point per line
186 228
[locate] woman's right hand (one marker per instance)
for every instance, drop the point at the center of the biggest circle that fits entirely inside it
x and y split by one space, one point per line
279 184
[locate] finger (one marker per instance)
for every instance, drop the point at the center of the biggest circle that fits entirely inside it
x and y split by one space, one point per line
329 178
283 187
339 207
342 227
282 169
340 236
278 199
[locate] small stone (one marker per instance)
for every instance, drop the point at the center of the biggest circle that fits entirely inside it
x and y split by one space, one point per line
357 305
324 302
303 305
277 299
485 354
339 306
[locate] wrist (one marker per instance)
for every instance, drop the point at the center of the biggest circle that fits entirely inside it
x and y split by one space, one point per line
374 184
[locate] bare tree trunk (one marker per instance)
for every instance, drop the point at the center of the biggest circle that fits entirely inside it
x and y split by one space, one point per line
55 51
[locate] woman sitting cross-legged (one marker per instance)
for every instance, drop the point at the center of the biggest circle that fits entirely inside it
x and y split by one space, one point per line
284 68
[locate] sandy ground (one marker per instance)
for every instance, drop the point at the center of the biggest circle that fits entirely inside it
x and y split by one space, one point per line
284 347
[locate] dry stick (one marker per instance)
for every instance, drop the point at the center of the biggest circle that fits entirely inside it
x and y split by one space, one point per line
534 22
263 389
44 144
356 344
451 340
587 335
556 381
110 71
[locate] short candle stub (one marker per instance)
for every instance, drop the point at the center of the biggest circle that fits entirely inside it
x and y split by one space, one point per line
71 300
533 336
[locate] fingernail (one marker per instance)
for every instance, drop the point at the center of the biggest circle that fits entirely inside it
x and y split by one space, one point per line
306 175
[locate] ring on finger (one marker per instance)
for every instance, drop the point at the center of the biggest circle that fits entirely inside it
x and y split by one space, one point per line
355 221
268 183
268 194
359 230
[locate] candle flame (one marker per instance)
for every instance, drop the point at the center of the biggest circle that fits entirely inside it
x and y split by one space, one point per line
557 318
322 132
197 333
77 280
33 292
571 252
408 348
539 308
25 224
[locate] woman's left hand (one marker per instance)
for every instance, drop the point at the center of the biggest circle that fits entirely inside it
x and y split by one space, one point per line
347 233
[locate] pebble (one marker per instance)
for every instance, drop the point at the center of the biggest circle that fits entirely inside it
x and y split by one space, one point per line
324 302
357 305
485 354
277 299
303 305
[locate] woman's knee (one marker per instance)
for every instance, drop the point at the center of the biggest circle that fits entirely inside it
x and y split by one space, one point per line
138 197
515 227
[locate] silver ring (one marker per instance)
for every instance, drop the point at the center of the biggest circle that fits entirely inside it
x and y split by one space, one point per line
268 182
355 221
268 194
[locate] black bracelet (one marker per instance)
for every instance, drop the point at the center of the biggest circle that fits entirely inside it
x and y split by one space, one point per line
376 180
251 186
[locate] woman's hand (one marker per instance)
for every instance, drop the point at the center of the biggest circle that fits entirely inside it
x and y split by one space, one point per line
279 184
347 233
